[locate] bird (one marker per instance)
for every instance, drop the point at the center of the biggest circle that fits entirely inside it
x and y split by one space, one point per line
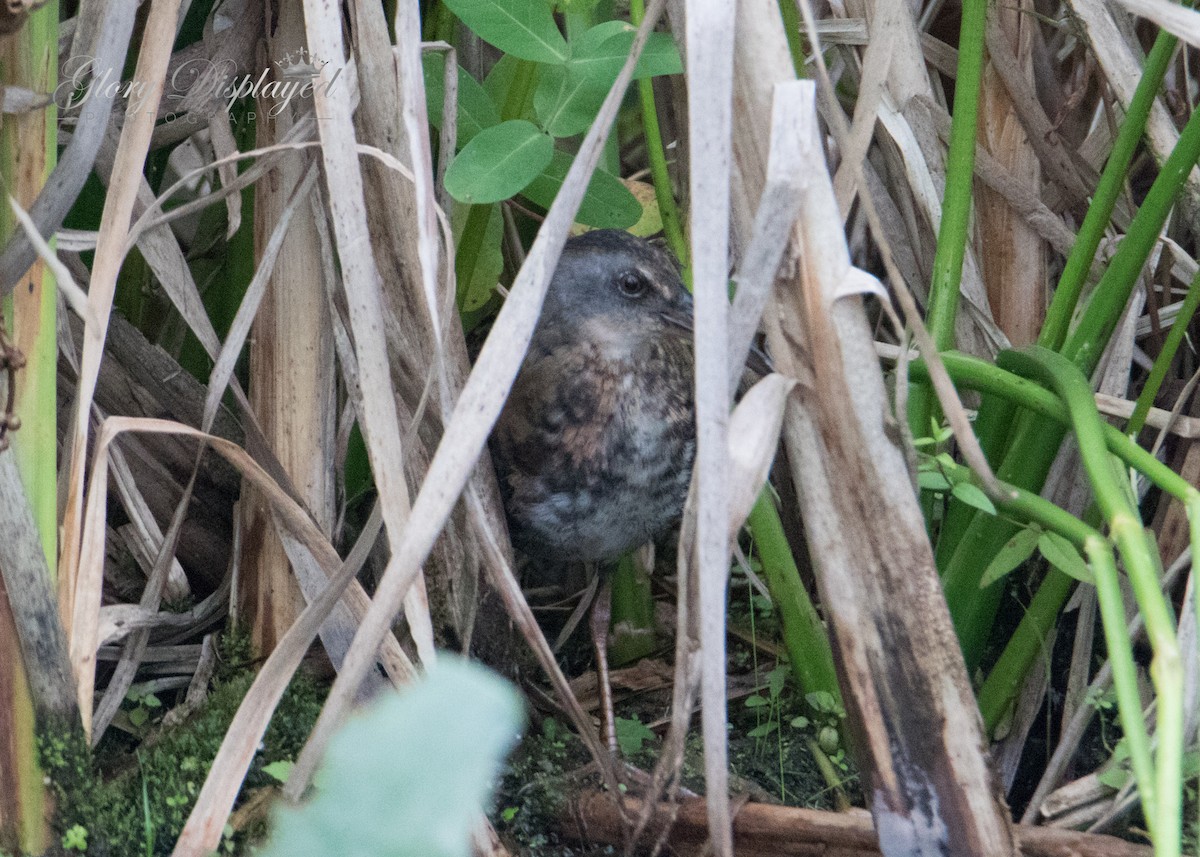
594 447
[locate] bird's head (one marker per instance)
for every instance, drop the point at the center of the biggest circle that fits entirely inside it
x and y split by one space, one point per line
613 288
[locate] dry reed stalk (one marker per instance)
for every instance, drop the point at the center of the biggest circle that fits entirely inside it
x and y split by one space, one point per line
291 380
918 733
1012 254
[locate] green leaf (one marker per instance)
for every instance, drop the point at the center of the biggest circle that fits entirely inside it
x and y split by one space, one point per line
608 204
280 770
764 730
499 80
822 701
476 110
1114 778
564 104
776 679
1015 551
409 775
932 480
755 700
568 97
1061 554
523 28
477 289
1116 773
499 162
971 495
599 54
632 735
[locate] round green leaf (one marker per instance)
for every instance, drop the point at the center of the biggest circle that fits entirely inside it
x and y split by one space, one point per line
564 103
608 204
1061 554
1015 551
598 54
523 28
568 97
499 162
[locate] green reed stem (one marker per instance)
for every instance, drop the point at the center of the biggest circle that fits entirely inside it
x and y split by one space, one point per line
1165 358
1160 782
1091 232
657 155
804 637
954 229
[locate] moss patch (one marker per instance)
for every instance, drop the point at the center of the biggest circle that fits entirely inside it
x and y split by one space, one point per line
134 798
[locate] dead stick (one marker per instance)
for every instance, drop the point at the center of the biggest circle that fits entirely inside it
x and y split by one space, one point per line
765 829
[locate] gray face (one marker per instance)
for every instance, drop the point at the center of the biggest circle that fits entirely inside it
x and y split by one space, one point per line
612 278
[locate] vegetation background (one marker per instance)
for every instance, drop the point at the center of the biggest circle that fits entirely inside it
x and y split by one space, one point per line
269 272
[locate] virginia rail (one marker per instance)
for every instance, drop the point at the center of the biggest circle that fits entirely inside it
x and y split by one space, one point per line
594 448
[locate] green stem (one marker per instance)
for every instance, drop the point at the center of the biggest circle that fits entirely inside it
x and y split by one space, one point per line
1160 790
791 27
1086 343
956 207
1027 642
1033 449
657 156
1091 232
804 636
1129 704
1165 357
830 774
28 150
971 373
965 526
633 633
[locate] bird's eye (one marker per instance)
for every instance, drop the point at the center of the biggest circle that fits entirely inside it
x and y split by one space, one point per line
632 284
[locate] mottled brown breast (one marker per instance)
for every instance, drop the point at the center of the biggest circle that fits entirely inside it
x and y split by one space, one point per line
593 451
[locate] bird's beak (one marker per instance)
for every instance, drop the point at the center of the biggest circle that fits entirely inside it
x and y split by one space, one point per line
681 320
757 360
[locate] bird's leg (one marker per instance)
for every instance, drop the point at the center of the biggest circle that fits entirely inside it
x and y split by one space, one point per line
601 617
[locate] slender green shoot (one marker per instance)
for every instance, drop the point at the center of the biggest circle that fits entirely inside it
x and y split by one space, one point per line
954 228
804 637
1087 341
1091 232
1032 448
657 156
1165 358
1160 784
633 634
791 27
